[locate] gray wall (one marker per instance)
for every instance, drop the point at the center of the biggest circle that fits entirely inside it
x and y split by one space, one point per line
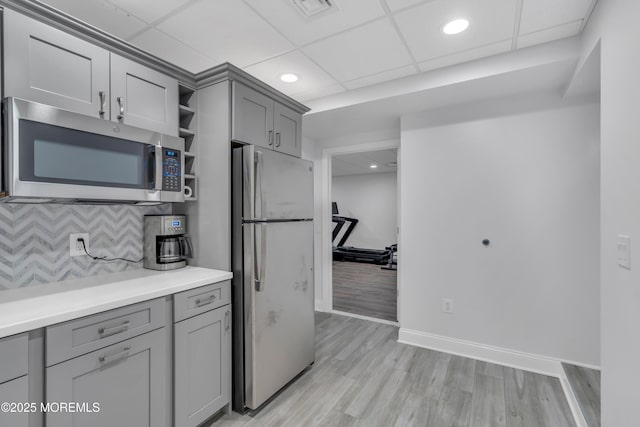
372 199
530 184
34 240
614 25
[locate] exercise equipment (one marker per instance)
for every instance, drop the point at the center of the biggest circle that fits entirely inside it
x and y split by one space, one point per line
351 253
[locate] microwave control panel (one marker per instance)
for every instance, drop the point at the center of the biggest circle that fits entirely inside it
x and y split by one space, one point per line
171 170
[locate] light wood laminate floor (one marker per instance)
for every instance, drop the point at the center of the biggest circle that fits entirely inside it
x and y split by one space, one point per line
585 383
365 289
364 377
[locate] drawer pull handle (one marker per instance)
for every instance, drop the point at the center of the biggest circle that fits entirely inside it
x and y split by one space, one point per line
107 332
112 358
205 301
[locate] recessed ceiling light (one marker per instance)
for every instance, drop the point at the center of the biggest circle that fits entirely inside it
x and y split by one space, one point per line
456 26
373 166
289 78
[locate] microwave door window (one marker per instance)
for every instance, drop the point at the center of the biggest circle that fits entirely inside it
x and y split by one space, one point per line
54 154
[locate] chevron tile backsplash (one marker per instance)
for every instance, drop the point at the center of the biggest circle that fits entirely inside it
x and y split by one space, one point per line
34 240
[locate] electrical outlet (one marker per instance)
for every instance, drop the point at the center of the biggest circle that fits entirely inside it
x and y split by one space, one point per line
447 305
75 246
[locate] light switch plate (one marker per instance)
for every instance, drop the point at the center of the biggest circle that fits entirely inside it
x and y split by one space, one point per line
623 251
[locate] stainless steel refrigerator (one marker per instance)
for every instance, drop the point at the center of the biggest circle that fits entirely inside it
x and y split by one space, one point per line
273 291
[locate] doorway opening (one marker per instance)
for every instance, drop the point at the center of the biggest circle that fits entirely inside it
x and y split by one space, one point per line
364 233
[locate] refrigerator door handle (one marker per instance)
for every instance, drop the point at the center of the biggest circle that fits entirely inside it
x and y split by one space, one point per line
260 260
259 173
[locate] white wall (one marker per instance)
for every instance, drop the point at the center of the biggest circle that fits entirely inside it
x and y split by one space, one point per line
530 184
372 199
615 23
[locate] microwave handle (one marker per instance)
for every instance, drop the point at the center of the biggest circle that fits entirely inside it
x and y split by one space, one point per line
155 168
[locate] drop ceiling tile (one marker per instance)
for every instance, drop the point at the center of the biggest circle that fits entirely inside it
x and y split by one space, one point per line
381 77
490 21
310 75
319 92
101 14
149 10
469 55
549 34
300 30
163 46
226 31
541 14
402 4
360 52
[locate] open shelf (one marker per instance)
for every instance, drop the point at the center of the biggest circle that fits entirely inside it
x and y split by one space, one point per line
187 120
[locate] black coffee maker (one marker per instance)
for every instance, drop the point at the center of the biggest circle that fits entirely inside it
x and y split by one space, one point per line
166 247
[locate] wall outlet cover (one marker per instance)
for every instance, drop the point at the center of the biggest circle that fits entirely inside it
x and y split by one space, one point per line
75 247
447 305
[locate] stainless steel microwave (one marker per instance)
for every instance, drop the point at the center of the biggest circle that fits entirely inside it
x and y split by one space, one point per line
56 155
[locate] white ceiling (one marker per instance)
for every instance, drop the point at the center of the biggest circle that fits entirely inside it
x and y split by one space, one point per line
364 42
360 163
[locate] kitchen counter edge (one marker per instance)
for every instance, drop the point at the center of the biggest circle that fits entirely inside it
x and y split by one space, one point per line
23 310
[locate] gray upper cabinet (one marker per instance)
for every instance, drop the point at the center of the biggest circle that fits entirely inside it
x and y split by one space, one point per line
259 120
46 65
143 97
288 130
252 116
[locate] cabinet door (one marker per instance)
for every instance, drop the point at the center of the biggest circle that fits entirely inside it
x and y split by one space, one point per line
15 391
127 380
202 372
143 97
288 130
252 117
46 65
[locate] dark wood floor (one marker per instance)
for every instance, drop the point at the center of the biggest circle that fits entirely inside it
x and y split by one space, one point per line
364 377
365 289
585 384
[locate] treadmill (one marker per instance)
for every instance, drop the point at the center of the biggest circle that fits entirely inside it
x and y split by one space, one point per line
351 253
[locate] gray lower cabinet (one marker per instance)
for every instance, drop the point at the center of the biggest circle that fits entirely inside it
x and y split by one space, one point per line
46 65
259 120
143 97
202 366
128 381
16 393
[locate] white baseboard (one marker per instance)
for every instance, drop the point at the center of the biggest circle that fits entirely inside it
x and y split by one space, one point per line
573 403
318 305
361 317
515 359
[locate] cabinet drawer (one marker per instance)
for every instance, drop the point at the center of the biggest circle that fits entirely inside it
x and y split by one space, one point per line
195 301
76 337
13 356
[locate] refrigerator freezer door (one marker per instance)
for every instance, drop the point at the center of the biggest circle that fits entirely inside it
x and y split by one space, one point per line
279 329
283 185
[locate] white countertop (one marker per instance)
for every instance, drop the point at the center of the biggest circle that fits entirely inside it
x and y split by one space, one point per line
38 306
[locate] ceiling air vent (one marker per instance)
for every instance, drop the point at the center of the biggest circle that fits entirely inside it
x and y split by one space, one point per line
314 8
